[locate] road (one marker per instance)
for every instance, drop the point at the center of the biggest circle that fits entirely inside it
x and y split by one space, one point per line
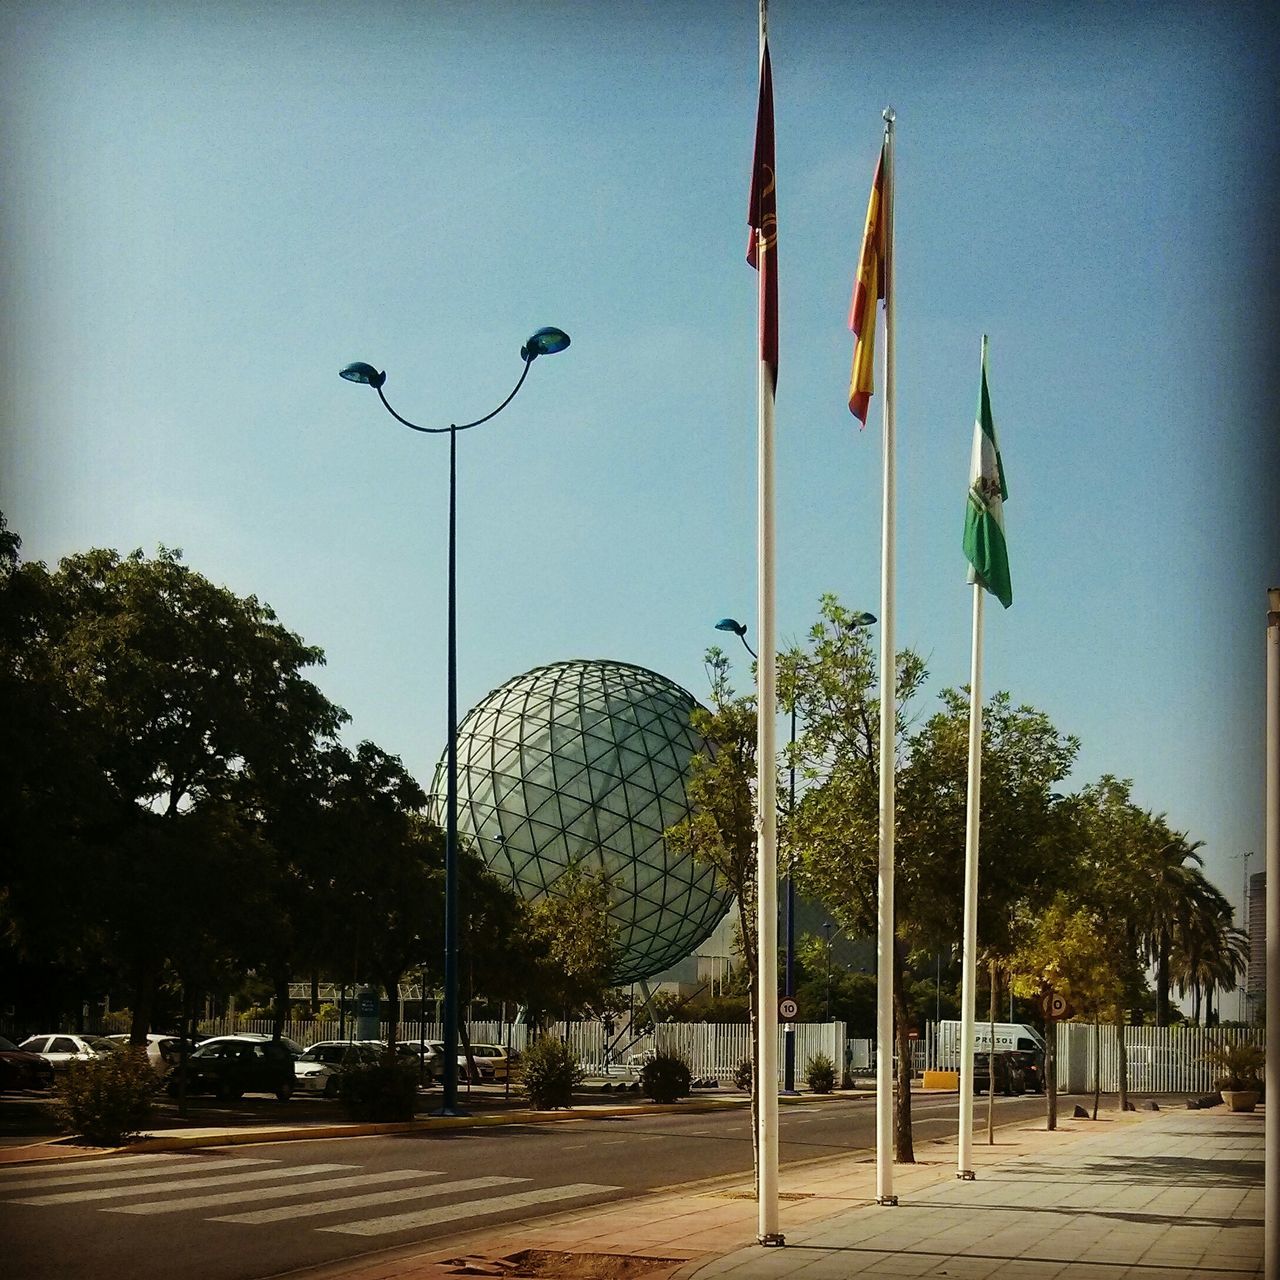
247 1212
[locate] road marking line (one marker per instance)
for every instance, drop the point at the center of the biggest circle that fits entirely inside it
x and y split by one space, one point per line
287 1213
60 1178
181 1184
467 1209
271 1193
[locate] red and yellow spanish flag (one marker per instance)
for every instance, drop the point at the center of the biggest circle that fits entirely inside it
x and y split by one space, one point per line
762 215
868 289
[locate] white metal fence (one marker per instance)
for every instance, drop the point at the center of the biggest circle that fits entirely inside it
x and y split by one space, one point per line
1160 1059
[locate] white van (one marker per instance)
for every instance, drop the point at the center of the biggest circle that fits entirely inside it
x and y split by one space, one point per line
1009 1035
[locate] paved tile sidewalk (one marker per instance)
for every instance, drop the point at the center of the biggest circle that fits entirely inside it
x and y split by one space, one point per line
1177 1197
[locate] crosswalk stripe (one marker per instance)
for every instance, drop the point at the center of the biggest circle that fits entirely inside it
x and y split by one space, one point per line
57 1167
466 1209
115 1175
271 1193
289 1212
181 1184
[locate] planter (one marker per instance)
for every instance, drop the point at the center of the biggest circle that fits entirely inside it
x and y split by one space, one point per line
1240 1099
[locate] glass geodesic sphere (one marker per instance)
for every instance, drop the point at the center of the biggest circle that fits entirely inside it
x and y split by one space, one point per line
586 762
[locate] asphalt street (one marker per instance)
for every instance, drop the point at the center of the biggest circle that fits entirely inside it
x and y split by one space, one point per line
247 1212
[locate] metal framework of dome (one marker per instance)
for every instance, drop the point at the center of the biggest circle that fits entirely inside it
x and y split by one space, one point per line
586 762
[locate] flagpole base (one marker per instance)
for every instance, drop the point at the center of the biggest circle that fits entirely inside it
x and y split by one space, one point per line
966 1175
890 1201
774 1240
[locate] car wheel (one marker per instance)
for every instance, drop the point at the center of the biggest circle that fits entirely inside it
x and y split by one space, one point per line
285 1092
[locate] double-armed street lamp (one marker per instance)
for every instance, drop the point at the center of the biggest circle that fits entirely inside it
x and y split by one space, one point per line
544 342
789 1037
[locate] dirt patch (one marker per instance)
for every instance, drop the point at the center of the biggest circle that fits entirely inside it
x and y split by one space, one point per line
782 1195
547 1264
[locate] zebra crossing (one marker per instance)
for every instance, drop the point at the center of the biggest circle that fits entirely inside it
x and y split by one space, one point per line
337 1198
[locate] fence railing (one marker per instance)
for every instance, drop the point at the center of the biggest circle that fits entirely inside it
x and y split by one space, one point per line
1160 1059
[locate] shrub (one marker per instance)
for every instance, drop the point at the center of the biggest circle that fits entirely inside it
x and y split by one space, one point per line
742 1075
109 1100
665 1077
821 1073
379 1091
1239 1064
327 1013
551 1072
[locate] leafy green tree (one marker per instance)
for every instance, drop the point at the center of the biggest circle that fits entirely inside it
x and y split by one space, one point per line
1066 949
176 695
721 831
834 836
571 947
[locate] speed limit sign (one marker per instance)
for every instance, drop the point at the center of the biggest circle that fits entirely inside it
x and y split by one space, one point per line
787 1009
1056 1006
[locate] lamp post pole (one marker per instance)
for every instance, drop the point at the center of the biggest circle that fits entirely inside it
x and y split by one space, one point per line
545 341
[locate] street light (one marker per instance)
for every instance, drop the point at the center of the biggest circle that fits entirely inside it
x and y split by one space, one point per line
739 629
544 342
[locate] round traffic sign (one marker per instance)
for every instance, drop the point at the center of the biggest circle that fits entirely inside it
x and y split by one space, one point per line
787 1009
1056 1006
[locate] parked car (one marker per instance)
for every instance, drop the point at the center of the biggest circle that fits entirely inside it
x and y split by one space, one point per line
1009 1073
228 1066
22 1069
163 1051
316 1071
496 1056
61 1050
430 1055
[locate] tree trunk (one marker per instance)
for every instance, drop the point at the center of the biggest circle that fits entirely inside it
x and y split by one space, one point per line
315 992
750 955
1051 1071
280 1006
144 998
1162 979
1097 1063
903 1150
991 1062
1122 1062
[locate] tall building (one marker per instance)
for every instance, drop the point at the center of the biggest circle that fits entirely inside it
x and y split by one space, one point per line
1256 978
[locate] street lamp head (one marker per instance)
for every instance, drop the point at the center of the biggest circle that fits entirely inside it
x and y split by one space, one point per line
864 619
545 342
731 624
361 372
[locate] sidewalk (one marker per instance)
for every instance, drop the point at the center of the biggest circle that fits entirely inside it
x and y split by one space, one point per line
1170 1195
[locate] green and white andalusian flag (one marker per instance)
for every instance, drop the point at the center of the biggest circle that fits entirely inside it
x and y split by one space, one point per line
984 543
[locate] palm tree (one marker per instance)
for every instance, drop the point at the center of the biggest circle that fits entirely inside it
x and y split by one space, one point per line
1169 887
1208 951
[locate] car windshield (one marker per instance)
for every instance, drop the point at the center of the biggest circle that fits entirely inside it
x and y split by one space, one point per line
7 1046
101 1042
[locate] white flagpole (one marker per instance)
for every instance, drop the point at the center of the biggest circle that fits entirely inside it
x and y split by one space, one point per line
888 725
766 795
1271 1167
968 983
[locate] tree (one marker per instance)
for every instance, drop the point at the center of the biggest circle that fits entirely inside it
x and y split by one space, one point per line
721 830
175 696
571 946
1066 949
835 833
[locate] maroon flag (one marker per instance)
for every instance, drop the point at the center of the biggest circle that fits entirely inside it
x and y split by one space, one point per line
762 215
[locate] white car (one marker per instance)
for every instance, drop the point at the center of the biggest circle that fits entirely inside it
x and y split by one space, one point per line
60 1051
317 1068
163 1052
496 1057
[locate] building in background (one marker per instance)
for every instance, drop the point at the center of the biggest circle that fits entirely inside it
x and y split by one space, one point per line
1256 923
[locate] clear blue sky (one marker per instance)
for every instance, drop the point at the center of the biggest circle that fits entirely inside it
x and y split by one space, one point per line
210 208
